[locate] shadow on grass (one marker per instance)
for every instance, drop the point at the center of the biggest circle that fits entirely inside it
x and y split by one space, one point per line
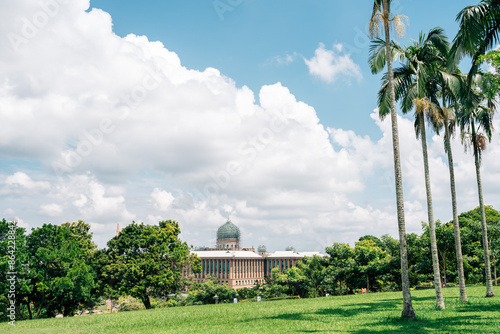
423 299
292 316
377 321
443 325
495 307
349 311
356 308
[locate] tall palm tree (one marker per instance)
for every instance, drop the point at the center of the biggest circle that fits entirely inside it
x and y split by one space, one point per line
416 89
448 88
476 124
424 107
381 16
479 31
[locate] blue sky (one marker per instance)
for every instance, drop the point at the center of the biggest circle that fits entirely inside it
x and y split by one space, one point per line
262 111
244 41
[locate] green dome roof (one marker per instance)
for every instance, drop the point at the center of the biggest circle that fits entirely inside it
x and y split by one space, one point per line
262 248
228 231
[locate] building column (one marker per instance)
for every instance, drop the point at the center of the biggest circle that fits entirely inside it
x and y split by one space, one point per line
237 269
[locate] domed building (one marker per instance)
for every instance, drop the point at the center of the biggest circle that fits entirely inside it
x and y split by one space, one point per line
240 267
228 236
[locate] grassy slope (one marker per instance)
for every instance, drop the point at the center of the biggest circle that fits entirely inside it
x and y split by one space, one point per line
372 313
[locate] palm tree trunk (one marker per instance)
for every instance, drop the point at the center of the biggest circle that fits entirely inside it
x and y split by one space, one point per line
484 227
408 312
430 216
495 269
444 270
456 225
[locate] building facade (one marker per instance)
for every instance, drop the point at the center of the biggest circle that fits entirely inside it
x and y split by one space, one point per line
240 267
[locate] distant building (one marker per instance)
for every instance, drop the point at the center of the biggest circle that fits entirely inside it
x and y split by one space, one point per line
240 267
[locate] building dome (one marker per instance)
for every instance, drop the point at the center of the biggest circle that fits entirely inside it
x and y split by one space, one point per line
262 248
228 231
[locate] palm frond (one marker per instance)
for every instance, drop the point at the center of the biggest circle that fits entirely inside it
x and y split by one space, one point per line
378 56
439 39
384 100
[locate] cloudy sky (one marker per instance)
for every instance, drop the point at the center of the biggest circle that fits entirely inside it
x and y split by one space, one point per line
264 112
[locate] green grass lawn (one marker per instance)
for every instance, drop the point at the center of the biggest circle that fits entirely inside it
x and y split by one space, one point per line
372 313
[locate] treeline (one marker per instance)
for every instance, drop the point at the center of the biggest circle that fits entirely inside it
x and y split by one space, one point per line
57 269
374 263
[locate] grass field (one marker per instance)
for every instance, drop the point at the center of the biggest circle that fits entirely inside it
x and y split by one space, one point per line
372 313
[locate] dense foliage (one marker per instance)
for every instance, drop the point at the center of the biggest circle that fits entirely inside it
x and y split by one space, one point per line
372 264
146 261
57 269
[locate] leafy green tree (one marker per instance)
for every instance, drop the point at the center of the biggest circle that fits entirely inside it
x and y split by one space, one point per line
370 259
270 289
379 243
146 261
446 250
472 250
106 275
393 270
495 249
418 250
472 220
294 281
340 270
60 278
381 16
314 269
491 80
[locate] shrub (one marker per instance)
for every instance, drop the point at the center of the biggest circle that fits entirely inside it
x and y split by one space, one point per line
129 303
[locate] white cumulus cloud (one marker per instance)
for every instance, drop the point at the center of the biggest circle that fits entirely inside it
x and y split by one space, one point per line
333 65
162 199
